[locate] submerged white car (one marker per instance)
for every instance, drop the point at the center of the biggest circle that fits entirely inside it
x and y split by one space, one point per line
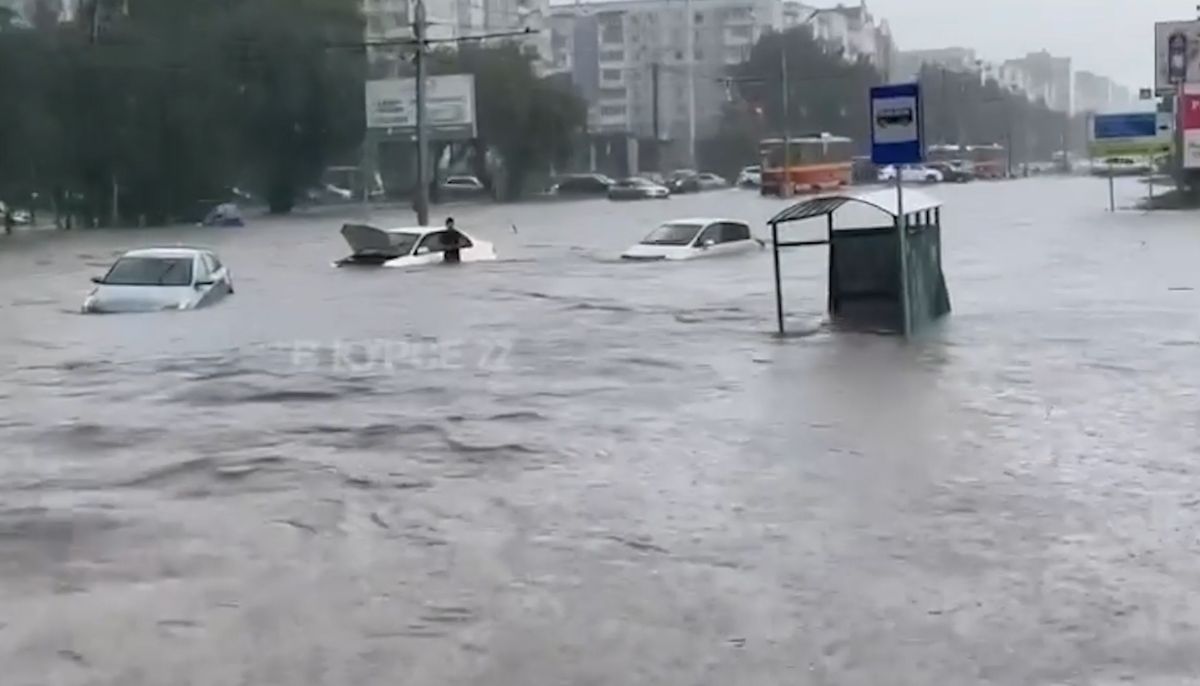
686 239
409 246
913 173
154 279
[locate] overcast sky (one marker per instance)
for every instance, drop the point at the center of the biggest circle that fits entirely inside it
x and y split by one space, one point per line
1111 37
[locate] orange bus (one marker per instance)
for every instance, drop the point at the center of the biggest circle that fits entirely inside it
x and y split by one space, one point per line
814 163
988 161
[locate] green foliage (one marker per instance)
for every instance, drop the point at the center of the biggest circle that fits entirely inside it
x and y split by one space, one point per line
529 121
960 109
177 101
826 93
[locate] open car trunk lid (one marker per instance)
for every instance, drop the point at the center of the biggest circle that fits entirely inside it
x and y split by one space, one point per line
368 241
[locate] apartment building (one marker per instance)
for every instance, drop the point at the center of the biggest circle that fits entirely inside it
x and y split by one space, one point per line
448 19
853 32
632 59
1096 93
1047 78
635 59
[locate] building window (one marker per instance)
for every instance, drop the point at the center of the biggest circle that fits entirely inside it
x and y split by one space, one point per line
610 74
699 53
699 17
612 93
612 110
741 31
612 55
612 32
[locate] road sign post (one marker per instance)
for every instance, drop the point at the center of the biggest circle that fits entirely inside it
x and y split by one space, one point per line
1129 134
897 139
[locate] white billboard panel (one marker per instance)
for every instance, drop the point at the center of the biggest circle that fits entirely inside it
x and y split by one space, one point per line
449 105
1176 54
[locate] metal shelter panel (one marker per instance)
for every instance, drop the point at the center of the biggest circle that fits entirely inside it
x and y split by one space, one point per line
884 200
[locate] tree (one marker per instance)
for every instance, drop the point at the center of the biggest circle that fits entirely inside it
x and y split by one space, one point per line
145 109
299 98
530 122
825 92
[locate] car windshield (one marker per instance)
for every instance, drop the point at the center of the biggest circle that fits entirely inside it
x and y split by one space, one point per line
673 234
150 271
630 183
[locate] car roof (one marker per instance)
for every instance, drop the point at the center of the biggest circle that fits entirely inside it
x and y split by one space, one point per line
417 230
705 221
176 251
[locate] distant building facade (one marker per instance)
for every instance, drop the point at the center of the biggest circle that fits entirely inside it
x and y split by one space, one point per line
1049 78
448 19
910 62
617 51
1096 93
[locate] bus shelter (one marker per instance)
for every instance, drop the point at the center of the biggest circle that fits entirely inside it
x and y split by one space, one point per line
882 275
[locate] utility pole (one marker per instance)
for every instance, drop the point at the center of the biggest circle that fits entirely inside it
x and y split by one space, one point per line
94 20
654 76
421 42
690 23
420 25
785 188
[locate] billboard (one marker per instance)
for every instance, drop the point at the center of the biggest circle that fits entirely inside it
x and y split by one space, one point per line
1176 54
1131 133
1190 118
449 105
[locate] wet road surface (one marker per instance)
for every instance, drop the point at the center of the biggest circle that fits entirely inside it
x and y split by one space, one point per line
564 469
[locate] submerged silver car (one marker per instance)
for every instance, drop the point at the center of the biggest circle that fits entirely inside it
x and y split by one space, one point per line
154 279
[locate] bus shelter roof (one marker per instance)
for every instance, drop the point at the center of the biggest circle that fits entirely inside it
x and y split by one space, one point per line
884 200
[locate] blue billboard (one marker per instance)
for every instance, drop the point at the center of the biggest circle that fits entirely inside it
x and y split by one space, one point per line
1131 125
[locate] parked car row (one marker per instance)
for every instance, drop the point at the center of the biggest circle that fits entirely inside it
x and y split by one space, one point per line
646 186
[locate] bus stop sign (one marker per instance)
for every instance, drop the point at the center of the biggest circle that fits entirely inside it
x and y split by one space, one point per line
896 124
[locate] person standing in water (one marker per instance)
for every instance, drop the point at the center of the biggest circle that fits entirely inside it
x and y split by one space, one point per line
452 241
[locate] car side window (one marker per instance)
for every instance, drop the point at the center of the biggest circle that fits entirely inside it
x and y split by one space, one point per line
202 268
735 232
712 232
432 241
214 265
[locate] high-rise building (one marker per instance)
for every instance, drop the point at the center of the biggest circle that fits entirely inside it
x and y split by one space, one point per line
1049 78
633 59
1096 93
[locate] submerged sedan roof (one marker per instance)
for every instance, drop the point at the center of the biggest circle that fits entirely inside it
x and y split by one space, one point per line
174 251
705 221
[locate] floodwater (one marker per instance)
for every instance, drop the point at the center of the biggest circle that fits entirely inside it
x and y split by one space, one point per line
564 469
